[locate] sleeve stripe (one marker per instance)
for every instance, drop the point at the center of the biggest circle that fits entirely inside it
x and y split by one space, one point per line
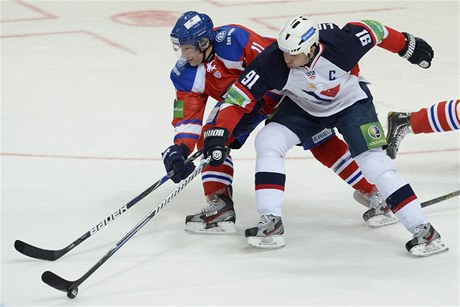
189 122
186 136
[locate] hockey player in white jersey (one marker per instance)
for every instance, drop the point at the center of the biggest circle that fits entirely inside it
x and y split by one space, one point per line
212 58
317 67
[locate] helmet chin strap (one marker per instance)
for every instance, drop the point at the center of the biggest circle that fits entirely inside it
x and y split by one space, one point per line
210 56
310 59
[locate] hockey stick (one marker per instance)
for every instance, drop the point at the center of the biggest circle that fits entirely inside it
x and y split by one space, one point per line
71 287
439 199
51 255
360 199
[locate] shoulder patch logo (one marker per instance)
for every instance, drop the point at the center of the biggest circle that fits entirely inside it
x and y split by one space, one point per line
181 62
221 36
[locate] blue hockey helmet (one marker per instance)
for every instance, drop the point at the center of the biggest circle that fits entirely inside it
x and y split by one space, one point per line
192 28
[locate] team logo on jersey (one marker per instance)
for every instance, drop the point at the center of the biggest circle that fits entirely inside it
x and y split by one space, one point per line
331 92
373 134
221 36
311 74
210 67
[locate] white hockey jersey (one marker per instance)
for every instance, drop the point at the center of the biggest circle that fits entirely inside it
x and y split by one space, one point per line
329 85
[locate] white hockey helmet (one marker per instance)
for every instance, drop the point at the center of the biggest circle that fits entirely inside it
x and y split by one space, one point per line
298 35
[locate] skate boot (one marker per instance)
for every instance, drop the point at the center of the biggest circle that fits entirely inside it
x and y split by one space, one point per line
379 213
398 128
267 234
426 242
217 217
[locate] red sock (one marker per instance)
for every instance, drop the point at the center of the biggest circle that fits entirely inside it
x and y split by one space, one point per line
334 154
440 117
216 179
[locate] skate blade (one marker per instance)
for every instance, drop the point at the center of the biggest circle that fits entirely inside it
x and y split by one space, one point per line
220 228
435 247
270 242
382 220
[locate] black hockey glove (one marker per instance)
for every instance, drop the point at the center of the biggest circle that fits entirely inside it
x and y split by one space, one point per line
174 160
214 145
417 51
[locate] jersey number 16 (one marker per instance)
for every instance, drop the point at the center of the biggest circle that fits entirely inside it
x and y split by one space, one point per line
364 37
250 78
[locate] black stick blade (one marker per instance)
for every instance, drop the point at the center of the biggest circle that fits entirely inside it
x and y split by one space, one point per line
56 282
36 252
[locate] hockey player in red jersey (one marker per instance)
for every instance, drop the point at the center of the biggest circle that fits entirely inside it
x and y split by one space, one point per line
440 117
211 59
317 68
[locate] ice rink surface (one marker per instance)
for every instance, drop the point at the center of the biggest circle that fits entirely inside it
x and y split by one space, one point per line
86 106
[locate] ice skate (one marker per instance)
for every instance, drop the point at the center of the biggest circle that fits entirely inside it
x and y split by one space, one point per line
398 128
267 234
426 242
218 217
379 213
